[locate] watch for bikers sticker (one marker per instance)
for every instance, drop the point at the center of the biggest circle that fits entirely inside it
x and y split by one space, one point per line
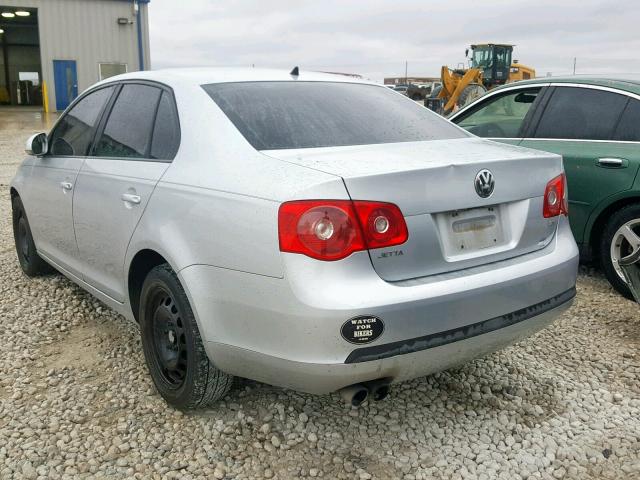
362 329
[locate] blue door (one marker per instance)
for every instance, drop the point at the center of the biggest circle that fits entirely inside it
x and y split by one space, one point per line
66 82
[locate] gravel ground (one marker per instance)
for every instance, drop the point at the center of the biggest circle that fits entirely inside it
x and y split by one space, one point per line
76 400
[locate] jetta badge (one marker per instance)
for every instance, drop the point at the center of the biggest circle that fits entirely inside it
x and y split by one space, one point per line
484 183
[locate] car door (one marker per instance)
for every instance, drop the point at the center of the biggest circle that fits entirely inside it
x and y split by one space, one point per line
579 122
128 158
51 185
501 116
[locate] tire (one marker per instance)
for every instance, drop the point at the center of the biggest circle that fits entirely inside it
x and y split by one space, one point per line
30 262
173 349
612 245
470 93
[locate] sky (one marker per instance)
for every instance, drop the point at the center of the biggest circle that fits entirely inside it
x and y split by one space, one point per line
375 38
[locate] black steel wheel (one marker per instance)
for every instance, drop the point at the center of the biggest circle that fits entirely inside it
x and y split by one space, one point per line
173 348
30 262
169 340
22 242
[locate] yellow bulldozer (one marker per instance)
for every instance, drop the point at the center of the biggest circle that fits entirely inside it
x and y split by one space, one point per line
490 66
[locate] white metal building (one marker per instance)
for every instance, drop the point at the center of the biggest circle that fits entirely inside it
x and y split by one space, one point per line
51 50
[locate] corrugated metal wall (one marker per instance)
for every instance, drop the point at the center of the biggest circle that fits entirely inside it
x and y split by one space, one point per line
86 31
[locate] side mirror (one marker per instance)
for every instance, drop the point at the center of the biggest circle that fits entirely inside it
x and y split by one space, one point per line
524 97
37 145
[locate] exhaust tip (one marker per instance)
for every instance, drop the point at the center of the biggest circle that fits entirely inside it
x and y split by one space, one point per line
354 395
359 397
381 392
379 389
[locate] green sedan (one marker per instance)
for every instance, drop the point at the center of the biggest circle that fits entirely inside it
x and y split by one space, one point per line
594 123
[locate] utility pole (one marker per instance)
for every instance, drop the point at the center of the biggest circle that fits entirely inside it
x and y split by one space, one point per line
406 66
574 65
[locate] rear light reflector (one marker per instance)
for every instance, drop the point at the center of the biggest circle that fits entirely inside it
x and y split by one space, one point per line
555 197
334 229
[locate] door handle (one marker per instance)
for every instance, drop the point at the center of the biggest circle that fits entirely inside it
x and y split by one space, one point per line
130 198
66 185
610 162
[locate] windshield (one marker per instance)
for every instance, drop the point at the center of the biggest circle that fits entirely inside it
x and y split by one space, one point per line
285 115
482 58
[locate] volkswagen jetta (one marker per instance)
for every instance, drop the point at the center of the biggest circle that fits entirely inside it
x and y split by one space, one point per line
305 230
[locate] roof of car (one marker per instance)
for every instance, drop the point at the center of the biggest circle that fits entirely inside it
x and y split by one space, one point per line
628 83
206 75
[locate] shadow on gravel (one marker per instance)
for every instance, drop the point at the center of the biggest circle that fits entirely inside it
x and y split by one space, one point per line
464 392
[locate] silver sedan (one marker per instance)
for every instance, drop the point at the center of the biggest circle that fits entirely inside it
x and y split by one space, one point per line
305 230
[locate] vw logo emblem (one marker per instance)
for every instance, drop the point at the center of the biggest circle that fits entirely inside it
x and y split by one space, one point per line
484 183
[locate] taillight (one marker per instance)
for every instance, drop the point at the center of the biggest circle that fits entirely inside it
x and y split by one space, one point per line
334 229
383 224
555 197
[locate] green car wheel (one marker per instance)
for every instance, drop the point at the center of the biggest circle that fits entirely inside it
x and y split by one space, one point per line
621 238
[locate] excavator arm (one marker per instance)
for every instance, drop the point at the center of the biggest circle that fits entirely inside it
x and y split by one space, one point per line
453 84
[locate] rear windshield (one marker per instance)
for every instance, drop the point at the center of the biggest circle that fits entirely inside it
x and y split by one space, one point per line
283 115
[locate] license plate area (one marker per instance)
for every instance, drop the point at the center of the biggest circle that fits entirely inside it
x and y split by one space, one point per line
469 232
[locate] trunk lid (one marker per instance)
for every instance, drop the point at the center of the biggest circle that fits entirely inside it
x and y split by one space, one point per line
451 226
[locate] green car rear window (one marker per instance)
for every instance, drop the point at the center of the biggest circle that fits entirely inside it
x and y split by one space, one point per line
629 127
581 113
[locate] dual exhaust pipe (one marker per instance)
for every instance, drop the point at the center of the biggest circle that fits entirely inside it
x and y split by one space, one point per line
355 395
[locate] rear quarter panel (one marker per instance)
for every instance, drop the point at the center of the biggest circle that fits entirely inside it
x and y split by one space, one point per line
599 213
591 187
217 204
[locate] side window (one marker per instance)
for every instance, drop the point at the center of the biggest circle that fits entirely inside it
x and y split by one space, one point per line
127 132
629 127
581 113
501 116
166 132
73 135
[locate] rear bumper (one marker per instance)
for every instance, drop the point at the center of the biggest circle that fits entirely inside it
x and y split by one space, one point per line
324 378
483 327
286 332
